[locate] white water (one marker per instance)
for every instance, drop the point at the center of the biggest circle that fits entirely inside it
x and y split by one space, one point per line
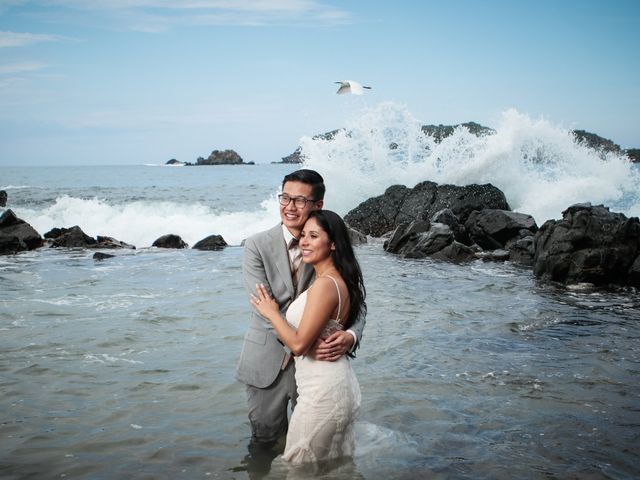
538 165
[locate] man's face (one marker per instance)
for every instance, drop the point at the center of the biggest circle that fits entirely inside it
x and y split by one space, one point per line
294 217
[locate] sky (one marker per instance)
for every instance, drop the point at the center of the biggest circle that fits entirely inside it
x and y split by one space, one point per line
104 82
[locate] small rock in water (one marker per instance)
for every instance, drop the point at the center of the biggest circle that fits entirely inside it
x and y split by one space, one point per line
212 242
170 241
102 256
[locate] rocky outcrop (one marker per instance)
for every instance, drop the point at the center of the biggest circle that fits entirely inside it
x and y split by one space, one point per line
221 157
399 204
356 237
170 241
16 235
212 242
297 157
633 154
173 161
448 222
420 239
596 142
440 132
74 237
3 198
492 229
589 245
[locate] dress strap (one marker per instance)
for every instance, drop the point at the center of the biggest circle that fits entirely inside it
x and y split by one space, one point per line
339 298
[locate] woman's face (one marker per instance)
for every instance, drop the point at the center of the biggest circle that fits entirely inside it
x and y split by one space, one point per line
314 243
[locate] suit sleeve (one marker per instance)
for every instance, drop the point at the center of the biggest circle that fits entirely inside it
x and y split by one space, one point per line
357 328
253 272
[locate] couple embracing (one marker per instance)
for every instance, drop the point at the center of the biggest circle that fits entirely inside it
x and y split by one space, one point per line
308 314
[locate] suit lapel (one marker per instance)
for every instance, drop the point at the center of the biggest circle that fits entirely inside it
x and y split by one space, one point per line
281 258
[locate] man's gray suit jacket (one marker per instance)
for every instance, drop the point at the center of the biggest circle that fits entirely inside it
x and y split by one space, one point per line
266 261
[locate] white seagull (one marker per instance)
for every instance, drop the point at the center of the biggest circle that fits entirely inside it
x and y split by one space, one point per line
349 86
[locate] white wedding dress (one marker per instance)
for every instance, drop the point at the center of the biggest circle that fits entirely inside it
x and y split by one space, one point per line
322 424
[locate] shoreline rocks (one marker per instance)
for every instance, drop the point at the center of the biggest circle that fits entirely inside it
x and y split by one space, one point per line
589 245
16 235
399 204
74 237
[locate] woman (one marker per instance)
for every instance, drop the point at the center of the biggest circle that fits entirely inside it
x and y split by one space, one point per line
322 424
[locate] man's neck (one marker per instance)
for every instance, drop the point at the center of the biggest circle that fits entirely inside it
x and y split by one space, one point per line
294 232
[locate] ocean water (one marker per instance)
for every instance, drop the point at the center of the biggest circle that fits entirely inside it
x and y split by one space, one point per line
124 368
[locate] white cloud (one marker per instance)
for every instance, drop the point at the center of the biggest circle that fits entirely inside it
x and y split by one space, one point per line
160 15
15 39
23 67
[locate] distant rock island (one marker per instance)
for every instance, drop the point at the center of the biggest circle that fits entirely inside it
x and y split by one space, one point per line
217 157
440 132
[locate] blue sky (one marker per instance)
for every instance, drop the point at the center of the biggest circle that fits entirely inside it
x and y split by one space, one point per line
143 81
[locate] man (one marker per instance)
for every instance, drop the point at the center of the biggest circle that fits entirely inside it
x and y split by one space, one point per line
273 258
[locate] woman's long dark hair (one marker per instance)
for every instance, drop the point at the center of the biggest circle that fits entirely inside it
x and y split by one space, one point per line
344 260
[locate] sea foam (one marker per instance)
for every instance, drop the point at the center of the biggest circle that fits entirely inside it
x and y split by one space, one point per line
139 223
539 166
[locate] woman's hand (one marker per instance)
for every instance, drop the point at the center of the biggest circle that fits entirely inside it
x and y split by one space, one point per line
263 303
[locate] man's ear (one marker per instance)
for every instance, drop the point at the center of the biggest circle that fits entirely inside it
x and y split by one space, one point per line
319 204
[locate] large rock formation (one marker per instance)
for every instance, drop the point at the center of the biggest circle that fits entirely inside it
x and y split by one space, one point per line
440 132
16 235
221 157
589 245
399 204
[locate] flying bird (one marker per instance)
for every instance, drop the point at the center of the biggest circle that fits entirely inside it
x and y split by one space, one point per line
349 86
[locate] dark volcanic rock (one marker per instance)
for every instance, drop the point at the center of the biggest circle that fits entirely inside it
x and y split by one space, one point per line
3 198
221 157
173 161
406 236
212 242
356 237
424 239
596 142
110 242
522 250
633 154
492 229
433 240
440 132
297 157
170 241
102 256
400 204
447 217
455 252
72 237
16 235
589 245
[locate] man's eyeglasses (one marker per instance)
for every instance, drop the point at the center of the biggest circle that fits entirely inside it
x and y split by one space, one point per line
298 202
